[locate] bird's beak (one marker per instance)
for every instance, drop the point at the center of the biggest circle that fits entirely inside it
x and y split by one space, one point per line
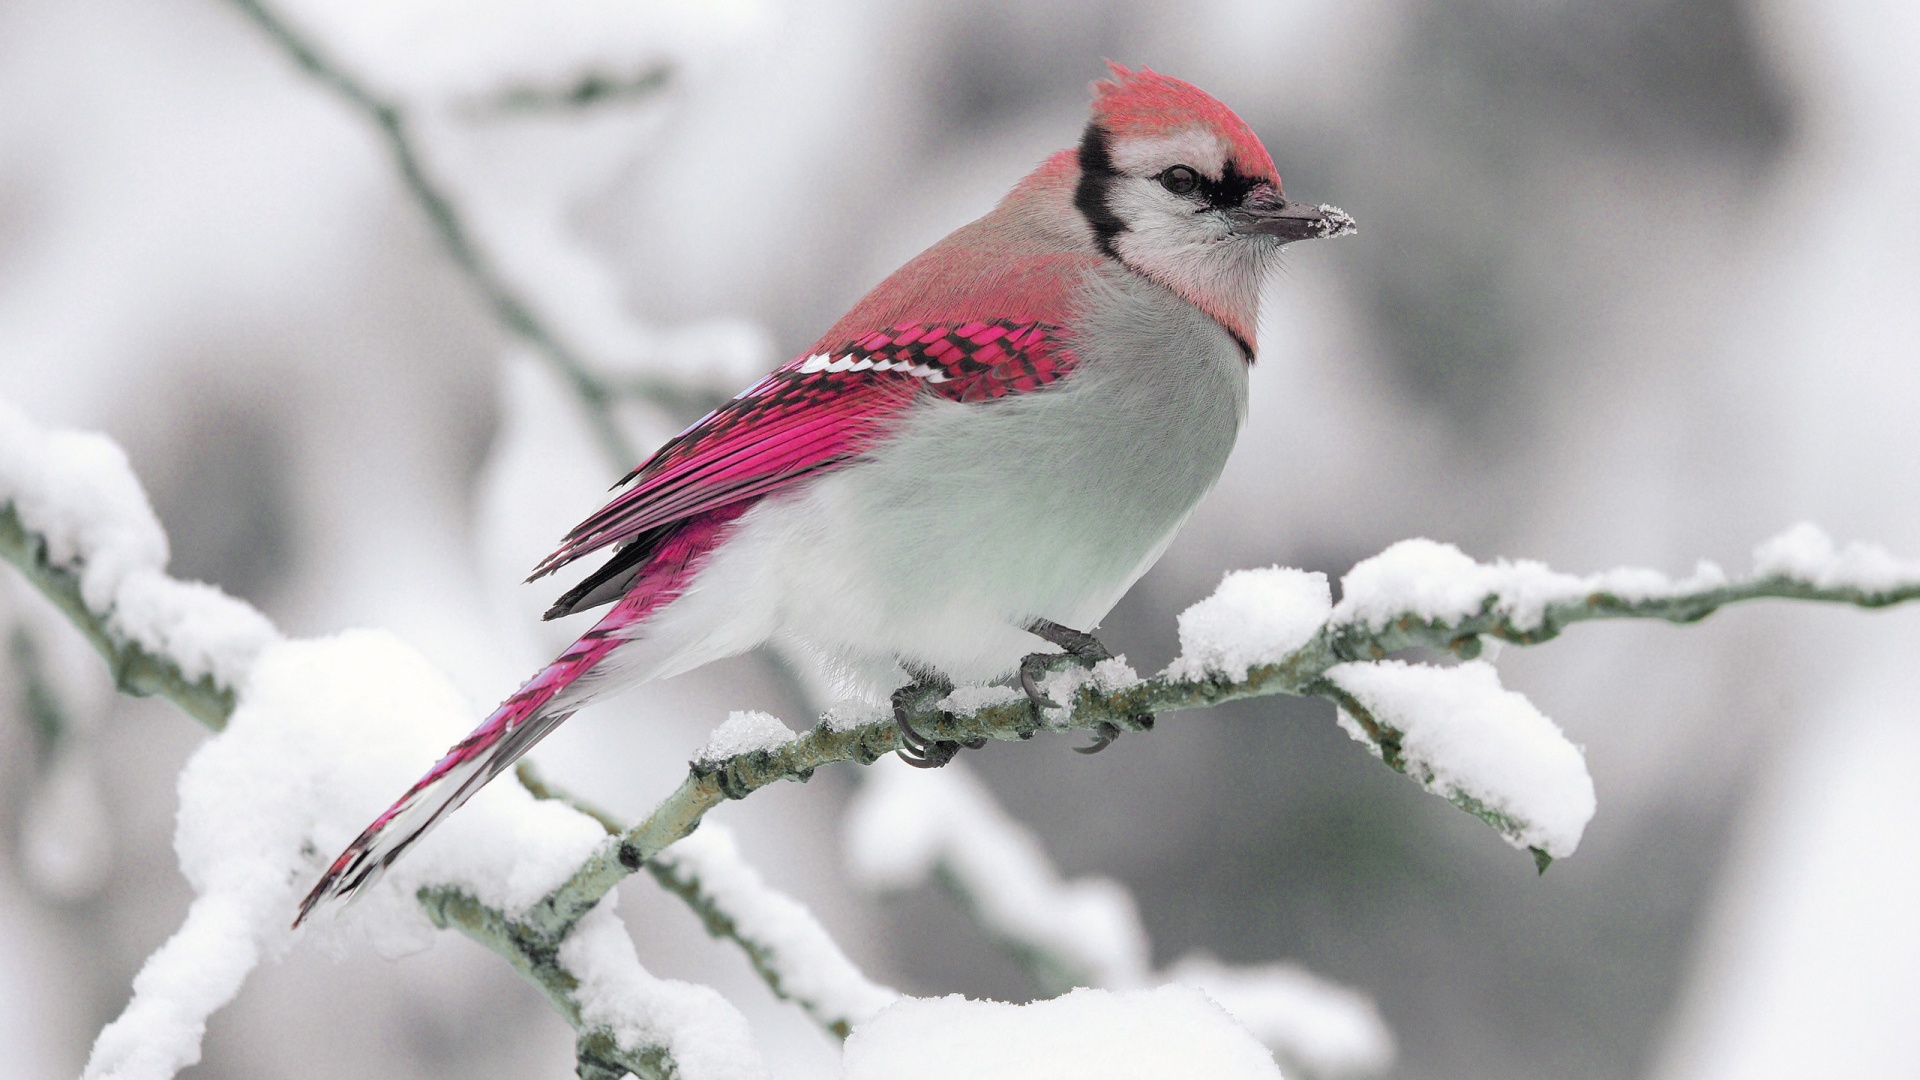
1275 215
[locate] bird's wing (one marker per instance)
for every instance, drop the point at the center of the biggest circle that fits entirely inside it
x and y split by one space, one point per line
818 413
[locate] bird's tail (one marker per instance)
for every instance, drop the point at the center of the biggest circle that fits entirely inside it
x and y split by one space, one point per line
525 718
500 740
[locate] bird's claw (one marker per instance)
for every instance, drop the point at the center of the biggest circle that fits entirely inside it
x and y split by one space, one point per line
1079 647
1103 736
918 752
1032 666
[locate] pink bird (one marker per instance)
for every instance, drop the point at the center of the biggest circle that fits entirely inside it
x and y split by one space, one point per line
990 448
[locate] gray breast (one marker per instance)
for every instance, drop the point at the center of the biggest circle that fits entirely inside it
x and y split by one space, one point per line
1051 503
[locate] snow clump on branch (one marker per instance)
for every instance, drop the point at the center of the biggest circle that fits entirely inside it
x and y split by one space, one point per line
324 733
1805 553
1255 617
1470 740
76 491
1440 583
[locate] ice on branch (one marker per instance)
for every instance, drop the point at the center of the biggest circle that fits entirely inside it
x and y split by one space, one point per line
1805 553
1324 1029
1255 617
1438 582
782 937
75 491
745 732
1468 739
1085 1035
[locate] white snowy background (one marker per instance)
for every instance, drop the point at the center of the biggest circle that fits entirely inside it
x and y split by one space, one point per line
1634 285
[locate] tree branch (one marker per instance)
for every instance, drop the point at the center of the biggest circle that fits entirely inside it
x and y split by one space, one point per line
136 670
1525 604
1301 673
517 315
593 88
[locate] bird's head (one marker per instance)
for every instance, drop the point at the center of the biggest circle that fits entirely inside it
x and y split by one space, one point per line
1178 188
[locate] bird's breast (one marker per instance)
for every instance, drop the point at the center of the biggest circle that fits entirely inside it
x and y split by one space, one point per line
972 518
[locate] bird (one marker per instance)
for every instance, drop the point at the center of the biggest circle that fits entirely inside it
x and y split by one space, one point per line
983 454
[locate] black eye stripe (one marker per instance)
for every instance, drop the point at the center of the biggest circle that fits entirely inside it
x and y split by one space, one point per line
1229 191
1097 174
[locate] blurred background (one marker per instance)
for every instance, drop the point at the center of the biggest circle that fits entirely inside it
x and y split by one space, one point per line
1636 283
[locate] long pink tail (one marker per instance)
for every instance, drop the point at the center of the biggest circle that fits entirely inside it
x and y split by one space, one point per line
522 720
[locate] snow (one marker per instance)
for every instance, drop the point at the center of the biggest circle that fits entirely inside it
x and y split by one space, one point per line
1114 674
1171 1031
971 699
744 732
1805 553
77 492
327 732
707 1037
811 967
1439 583
907 822
1337 222
853 712
1062 685
1326 1029
1464 736
1255 617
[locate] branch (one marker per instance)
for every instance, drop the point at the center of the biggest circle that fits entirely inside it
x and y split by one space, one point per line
594 88
136 669
37 703
790 951
394 125
98 557
1524 604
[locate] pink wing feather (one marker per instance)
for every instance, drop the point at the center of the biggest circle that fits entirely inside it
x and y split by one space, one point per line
813 414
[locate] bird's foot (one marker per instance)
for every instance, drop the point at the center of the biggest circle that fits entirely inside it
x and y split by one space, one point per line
924 691
1079 647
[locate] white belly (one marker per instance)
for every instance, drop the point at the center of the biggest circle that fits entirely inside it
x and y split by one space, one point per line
975 519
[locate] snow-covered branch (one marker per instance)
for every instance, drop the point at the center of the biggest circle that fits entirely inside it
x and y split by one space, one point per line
304 722
394 125
786 945
318 734
702 367
1276 631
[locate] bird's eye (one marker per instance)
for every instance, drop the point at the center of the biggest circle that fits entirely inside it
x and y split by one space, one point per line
1180 179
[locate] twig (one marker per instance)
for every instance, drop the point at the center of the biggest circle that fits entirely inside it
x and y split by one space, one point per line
1300 673
135 670
140 672
517 315
43 712
836 998
533 941
539 962
594 88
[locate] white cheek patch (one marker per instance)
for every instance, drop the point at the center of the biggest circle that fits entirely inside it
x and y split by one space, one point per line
1146 155
1160 219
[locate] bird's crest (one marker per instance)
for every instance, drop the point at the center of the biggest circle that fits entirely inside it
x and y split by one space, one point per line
1147 103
